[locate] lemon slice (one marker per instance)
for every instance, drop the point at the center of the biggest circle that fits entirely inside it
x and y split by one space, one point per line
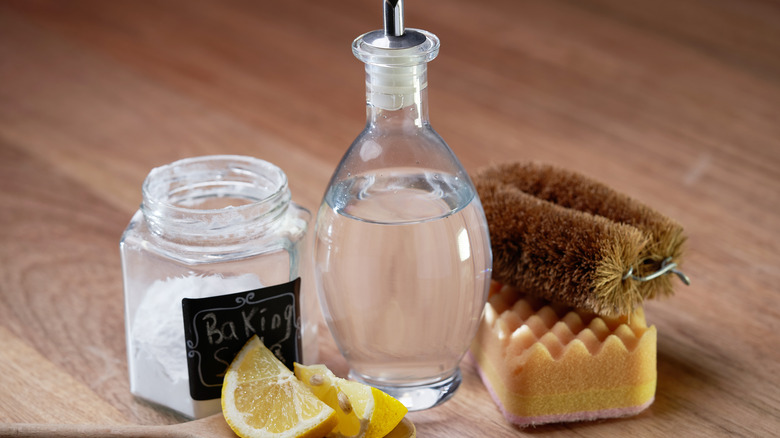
362 411
261 398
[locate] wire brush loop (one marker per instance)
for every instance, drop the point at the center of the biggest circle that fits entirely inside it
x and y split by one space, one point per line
667 267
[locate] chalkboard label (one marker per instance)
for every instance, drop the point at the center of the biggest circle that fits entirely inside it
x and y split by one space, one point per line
216 328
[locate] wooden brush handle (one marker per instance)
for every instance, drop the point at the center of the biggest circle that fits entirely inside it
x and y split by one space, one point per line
79 430
209 427
212 427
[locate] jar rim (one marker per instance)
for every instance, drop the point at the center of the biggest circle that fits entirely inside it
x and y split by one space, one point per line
178 197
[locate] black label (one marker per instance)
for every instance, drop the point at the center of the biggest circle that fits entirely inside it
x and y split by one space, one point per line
216 328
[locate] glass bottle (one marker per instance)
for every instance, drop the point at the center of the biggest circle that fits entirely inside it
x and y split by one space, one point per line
222 232
402 253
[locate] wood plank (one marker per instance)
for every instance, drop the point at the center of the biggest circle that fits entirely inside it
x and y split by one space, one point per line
37 391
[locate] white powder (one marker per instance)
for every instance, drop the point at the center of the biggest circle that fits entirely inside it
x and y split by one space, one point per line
157 353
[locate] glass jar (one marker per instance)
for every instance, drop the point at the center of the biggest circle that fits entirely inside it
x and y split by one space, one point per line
213 256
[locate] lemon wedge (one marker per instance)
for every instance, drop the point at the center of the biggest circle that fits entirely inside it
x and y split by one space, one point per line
362 411
261 398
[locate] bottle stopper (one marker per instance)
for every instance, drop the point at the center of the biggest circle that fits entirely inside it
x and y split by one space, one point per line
395 58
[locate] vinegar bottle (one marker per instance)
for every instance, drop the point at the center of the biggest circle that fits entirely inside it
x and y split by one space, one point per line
402 253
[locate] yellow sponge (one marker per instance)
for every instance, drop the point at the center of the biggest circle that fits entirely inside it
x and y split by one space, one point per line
544 363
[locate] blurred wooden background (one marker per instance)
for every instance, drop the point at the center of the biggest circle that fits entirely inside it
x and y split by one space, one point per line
676 103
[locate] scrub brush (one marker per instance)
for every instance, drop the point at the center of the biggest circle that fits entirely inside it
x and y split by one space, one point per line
569 239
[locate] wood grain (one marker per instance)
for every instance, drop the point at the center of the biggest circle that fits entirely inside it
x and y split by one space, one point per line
676 103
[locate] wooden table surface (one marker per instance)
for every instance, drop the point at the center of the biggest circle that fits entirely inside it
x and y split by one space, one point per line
674 102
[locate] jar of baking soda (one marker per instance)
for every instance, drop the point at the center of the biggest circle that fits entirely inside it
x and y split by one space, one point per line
214 255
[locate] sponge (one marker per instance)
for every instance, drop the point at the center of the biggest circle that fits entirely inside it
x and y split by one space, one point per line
544 363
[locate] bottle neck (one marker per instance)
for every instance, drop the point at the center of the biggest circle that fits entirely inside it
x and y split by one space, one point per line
397 96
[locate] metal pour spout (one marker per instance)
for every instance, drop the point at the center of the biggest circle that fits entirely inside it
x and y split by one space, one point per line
394 35
394 18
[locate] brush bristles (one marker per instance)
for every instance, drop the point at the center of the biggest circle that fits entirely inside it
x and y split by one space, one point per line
572 240
667 243
612 293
